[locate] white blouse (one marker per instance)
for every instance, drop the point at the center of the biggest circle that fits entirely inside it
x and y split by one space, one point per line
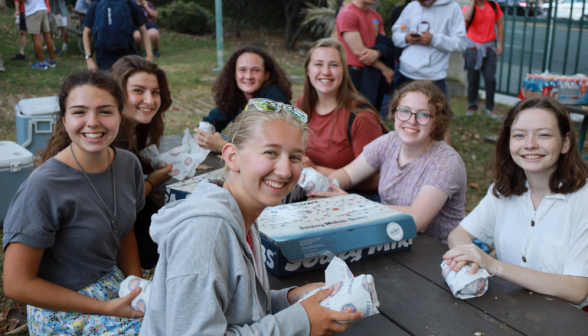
553 239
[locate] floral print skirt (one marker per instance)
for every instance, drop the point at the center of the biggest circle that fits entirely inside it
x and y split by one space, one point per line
49 322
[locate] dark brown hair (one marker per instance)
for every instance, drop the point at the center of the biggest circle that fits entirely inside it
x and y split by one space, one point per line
509 178
347 97
227 95
59 140
141 133
437 104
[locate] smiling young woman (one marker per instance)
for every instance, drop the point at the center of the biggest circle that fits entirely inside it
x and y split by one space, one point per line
68 234
250 72
535 212
148 98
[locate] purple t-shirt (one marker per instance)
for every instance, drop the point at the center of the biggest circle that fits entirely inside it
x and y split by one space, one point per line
440 166
149 18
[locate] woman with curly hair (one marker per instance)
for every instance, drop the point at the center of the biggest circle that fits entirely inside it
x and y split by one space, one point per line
249 73
420 174
535 212
148 98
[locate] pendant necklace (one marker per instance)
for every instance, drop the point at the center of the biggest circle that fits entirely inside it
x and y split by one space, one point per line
113 224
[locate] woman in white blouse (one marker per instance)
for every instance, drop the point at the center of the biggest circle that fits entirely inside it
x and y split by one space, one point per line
536 212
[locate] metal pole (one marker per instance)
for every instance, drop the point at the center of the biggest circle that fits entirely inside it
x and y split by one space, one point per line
218 4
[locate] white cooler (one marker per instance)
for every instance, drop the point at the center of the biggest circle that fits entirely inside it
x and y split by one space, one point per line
35 122
16 164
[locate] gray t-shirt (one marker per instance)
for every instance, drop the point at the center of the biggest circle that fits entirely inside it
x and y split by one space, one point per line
57 209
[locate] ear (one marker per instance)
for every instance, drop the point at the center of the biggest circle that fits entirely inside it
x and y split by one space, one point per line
231 157
267 75
566 144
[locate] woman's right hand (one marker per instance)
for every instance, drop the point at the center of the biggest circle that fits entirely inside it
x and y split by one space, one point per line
121 307
214 141
324 194
323 321
160 176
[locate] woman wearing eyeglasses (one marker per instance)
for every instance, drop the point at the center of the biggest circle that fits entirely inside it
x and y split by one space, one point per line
211 277
420 174
342 120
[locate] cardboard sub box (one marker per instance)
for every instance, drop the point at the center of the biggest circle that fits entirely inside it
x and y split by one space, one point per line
304 236
181 190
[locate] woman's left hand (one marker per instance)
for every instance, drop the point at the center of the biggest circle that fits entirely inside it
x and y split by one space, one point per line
324 194
295 294
471 255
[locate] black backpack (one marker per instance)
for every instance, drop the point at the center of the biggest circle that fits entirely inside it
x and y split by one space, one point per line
492 4
352 118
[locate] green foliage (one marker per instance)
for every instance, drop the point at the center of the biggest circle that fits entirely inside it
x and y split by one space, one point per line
321 20
385 10
186 17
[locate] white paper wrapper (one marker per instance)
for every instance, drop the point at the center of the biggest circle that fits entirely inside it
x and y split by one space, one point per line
206 126
312 180
185 158
464 285
350 294
141 302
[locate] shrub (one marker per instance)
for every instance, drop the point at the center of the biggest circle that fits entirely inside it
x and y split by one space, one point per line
186 17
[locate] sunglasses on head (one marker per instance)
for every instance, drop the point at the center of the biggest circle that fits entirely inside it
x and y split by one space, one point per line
268 105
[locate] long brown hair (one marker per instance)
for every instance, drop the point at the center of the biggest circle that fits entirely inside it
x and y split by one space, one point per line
347 97
509 178
141 133
437 104
227 95
59 140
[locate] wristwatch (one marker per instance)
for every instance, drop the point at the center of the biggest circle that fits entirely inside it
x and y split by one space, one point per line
88 56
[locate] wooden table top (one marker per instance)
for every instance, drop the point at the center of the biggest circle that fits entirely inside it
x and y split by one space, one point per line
415 300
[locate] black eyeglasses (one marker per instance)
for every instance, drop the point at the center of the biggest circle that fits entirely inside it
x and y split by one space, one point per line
422 118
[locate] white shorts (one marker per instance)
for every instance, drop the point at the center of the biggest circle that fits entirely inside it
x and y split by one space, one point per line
60 20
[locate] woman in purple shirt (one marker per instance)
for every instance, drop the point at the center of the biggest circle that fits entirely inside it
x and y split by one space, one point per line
152 29
420 174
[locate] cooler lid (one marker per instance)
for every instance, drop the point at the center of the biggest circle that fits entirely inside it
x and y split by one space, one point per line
38 106
11 152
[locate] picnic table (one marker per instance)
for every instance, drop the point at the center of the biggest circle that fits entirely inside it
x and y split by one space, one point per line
79 29
415 300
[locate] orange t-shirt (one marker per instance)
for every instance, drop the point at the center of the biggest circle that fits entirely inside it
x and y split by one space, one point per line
337 152
481 29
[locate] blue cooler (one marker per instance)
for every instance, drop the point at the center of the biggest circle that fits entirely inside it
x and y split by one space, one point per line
16 164
35 122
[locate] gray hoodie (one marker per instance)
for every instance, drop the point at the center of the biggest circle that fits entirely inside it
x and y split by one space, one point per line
206 281
446 23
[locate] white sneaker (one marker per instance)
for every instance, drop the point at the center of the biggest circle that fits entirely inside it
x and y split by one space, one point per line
45 47
64 47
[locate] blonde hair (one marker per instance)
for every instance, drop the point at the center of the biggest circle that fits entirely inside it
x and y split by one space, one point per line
249 124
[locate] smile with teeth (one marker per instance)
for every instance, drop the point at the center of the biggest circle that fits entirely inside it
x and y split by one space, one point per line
325 80
143 109
410 130
273 184
532 156
93 136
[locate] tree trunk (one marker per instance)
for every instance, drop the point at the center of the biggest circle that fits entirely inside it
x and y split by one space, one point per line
2 4
239 6
291 9
290 44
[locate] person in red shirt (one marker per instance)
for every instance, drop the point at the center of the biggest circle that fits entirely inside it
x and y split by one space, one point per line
482 51
329 99
358 28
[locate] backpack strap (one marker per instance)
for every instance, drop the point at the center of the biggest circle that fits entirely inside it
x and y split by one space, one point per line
492 4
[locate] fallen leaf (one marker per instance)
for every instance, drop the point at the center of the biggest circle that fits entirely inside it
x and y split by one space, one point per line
474 186
22 329
13 324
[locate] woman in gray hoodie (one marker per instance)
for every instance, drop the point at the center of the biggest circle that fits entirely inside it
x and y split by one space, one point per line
210 278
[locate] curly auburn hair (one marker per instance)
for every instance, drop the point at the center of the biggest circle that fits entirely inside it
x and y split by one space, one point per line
347 96
509 178
437 104
227 95
59 140
141 133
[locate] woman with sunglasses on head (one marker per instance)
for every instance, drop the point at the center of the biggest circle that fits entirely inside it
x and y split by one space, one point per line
211 274
249 73
420 174
148 98
68 235
342 120
536 211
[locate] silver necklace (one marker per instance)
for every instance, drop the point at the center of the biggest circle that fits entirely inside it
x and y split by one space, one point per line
113 224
